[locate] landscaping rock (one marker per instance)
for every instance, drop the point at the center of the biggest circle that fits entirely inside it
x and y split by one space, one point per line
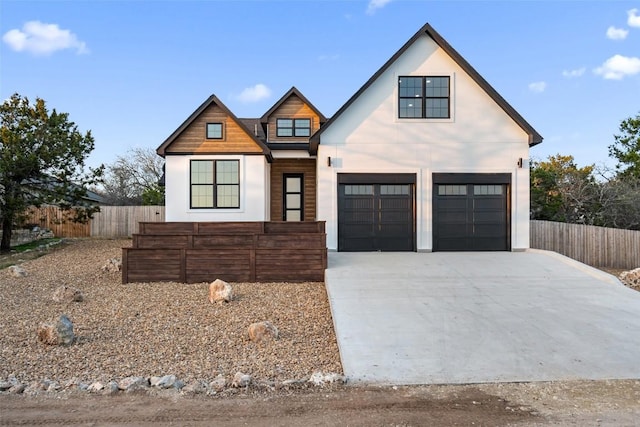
319 378
218 384
195 387
133 383
67 294
113 265
59 334
262 331
17 271
166 381
631 278
95 387
241 380
220 291
18 389
5 385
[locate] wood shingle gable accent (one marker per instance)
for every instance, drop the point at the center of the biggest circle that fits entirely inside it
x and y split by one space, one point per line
292 105
534 137
190 137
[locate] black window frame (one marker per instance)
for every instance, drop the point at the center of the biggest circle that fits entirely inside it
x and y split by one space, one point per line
285 208
293 128
221 130
424 97
213 184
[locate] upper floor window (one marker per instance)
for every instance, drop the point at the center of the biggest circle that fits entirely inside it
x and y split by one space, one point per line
215 184
424 97
293 127
214 130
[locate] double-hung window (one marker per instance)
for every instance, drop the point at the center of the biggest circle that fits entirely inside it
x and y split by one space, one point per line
293 127
215 184
424 97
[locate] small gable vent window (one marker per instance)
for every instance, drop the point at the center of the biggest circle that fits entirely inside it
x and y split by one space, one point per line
425 97
293 127
214 130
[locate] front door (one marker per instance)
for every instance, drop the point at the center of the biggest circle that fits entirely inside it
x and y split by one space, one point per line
292 209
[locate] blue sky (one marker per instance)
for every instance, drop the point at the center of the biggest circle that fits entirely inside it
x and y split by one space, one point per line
133 71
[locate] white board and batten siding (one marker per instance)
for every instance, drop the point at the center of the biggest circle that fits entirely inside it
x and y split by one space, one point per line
478 138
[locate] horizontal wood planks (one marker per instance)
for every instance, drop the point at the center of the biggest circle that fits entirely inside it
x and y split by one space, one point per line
194 138
292 108
304 167
234 252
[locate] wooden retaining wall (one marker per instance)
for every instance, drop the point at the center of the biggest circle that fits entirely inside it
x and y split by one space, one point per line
191 252
595 246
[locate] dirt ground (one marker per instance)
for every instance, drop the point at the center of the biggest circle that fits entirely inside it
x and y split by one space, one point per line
567 403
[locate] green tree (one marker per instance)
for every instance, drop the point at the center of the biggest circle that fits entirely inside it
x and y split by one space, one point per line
561 191
626 148
42 161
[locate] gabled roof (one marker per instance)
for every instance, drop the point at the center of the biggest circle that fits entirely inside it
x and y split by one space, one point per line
291 92
212 100
534 136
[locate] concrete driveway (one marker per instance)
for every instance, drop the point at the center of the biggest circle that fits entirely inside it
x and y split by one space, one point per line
427 318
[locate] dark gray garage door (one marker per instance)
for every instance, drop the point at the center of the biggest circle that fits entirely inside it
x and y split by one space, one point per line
375 212
471 212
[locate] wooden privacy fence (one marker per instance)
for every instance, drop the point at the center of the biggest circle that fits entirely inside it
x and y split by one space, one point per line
110 222
122 221
595 246
54 219
192 252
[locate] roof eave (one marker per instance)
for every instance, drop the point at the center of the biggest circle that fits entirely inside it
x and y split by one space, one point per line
212 100
534 137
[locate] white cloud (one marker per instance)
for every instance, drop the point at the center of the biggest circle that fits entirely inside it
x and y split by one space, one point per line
375 5
39 38
537 86
634 18
614 33
618 66
574 73
254 94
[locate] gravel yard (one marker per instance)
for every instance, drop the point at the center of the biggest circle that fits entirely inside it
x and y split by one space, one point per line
155 329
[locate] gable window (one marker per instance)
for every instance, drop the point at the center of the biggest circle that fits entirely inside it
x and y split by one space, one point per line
215 184
293 127
424 97
214 130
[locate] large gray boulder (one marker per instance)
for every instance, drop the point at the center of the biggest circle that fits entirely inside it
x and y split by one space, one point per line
60 333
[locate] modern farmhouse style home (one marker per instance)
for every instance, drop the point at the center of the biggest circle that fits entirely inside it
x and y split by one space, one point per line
425 156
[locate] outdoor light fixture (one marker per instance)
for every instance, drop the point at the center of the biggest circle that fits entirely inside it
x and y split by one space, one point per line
329 161
520 162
